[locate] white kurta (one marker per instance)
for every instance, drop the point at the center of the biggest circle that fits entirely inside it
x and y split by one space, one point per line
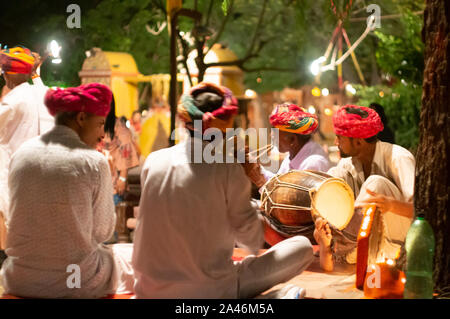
23 115
392 174
311 156
61 212
191 216
391 161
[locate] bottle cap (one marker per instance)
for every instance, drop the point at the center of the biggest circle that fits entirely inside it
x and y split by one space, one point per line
421 216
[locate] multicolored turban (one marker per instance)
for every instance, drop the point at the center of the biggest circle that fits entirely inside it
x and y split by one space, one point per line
16 60
222 107
94 98
357 122
294 119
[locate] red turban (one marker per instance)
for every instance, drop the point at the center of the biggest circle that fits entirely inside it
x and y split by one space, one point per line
92 98
357 122
294 119
16 60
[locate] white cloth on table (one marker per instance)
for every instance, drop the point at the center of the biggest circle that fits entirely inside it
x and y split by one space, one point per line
61 212
311 156
190 218
23 115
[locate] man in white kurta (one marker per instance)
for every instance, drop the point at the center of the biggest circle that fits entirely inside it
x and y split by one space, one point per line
391 174
23 115
369 165
294 136
310 157
61 212
191 216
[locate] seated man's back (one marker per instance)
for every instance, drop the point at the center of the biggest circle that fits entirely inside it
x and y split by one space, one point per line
61 210
190 216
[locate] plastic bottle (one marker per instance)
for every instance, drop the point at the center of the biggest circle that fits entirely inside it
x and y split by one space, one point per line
419 247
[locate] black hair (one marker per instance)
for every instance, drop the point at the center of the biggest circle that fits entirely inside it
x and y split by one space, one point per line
380 110
372 139
110 121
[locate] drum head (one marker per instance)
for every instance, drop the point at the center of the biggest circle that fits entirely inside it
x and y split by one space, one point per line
333 200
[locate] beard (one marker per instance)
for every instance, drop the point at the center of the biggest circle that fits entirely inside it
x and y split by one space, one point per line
343 154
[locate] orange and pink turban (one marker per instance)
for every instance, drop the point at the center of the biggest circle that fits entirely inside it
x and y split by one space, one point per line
94 98
357 122
17 60
294 119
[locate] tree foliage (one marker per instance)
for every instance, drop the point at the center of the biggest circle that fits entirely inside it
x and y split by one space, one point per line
400 58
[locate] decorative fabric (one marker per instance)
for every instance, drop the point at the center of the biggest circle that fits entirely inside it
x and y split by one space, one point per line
221 117
357 122
92 98
16 60
294 119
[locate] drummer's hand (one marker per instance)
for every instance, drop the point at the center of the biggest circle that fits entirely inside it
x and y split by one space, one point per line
388 204
322 233
382 202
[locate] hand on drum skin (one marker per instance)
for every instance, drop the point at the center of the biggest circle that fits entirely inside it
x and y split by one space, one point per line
322 233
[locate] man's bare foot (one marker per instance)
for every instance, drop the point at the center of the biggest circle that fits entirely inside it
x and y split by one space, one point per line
322 235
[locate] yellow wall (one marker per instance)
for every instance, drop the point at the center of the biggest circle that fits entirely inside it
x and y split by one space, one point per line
125 95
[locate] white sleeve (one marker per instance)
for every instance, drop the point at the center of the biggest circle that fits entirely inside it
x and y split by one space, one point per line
244 219
38 82
316 163
10 117
103 205
405 166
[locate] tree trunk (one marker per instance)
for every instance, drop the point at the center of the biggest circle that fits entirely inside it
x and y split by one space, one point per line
432 169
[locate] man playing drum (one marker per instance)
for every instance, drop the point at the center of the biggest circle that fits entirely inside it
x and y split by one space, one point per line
295 137
379 173
62 206
193 213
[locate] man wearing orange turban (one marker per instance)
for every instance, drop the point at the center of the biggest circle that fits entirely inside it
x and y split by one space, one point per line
378 172
23 115
62 208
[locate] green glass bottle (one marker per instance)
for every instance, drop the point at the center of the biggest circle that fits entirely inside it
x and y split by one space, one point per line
419 245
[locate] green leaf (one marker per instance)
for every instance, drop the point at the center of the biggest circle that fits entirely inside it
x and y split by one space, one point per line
225 4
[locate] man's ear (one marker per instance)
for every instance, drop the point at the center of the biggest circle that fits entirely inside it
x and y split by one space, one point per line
81 118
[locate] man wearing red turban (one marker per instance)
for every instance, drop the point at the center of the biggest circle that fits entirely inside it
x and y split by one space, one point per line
378 172
62 208
23 115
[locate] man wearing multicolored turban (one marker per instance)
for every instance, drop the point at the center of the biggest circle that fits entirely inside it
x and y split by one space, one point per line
192 215
294 127
378 172
23 115
292 133
208 105
66 183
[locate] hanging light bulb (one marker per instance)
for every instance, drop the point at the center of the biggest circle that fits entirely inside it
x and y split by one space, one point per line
315 67
55 49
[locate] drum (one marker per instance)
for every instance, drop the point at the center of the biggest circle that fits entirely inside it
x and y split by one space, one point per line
293 200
